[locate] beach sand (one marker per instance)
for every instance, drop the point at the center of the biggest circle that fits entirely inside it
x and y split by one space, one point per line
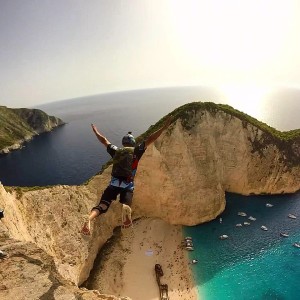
127 268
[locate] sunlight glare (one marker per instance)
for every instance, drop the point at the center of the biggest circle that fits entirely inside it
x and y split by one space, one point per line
246 98
232 35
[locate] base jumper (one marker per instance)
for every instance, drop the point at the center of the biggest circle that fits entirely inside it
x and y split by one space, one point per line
125 163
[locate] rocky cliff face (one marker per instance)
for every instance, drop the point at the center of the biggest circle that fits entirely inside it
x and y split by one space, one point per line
182 179
20 125
38 120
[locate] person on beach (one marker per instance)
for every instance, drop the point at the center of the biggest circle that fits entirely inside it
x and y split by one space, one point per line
125 162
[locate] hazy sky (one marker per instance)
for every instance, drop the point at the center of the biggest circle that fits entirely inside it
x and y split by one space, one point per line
60 49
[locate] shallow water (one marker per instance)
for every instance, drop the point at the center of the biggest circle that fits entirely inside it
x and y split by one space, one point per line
251 263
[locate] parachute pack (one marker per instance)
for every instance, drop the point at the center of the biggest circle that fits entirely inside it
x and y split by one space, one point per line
122 163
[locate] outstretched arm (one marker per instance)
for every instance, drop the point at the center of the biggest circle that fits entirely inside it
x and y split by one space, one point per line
100 137
157 133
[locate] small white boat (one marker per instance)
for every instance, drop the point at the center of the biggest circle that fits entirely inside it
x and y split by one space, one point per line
292 216
264 228
194 261
223 237
297 245
269 205
185 242
252 218
242 214
188 238
246 223
239 225
189 248
3 254
284 234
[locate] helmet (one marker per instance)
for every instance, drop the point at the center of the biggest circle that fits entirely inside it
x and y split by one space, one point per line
128 139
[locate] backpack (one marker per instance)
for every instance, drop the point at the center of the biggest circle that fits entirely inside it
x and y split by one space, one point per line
122 162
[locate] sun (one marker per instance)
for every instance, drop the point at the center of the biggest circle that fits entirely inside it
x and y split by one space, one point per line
246 98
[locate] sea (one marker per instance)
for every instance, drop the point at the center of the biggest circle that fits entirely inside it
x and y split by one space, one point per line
250 263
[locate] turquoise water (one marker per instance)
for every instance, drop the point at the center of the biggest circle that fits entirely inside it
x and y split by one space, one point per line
251 263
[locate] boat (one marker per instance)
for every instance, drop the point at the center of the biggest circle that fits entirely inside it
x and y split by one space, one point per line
246 223
193 261
188 238
264 228
284 234
3 254
242 214
188 244
239 225
223 237
292 216
297 245
269 205
189 248
252 218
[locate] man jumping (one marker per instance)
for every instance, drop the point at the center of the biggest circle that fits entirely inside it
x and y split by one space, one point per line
125 162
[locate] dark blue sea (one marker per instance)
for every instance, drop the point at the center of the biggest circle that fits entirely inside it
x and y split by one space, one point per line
71 154
251 263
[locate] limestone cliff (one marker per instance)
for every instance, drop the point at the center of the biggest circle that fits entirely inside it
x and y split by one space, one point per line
182 179
20 125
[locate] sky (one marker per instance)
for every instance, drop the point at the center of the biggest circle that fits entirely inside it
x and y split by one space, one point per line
61 49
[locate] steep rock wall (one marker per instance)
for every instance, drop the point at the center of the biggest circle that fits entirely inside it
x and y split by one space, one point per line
183 178
38 120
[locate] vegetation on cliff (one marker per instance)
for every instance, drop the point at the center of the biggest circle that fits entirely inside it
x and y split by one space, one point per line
186 111
288 142
17 125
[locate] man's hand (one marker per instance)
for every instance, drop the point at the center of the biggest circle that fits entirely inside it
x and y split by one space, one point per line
100 137
94 128
157 133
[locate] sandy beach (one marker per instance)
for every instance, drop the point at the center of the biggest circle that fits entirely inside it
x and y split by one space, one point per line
127 268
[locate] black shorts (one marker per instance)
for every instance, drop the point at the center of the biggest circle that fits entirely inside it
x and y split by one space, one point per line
110 194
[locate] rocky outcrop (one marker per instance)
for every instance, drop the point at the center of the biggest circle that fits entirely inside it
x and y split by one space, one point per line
29 273
38 120
206 153
182 179
22 124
